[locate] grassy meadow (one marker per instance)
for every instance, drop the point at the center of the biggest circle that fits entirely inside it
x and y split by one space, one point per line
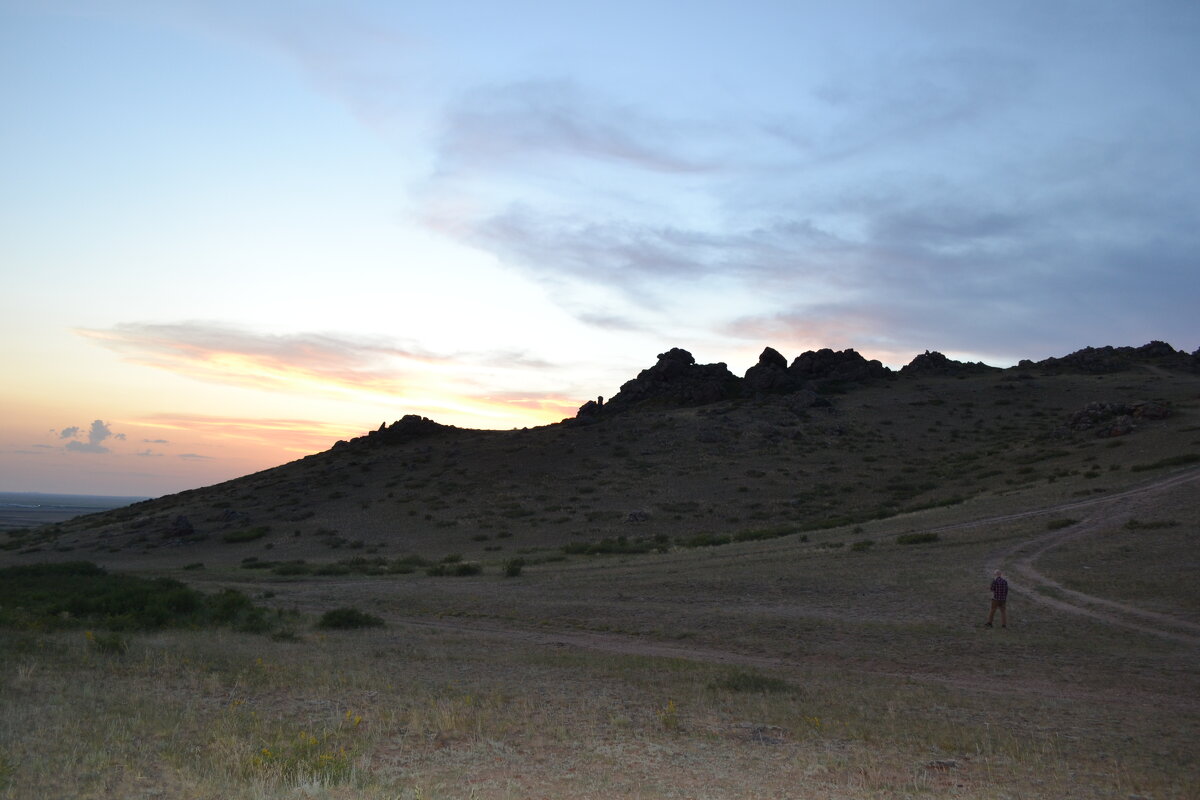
741 601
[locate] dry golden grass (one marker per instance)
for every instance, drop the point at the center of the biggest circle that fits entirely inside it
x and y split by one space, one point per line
420 713
785 668
603 678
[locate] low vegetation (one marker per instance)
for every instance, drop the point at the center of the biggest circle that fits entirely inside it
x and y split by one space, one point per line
74 594
348 618
756 598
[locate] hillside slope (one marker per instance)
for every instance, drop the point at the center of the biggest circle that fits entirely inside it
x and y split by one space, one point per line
840 441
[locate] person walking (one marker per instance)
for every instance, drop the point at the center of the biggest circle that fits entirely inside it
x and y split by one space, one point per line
999 599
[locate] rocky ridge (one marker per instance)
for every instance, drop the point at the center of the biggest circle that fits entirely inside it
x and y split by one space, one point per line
677 381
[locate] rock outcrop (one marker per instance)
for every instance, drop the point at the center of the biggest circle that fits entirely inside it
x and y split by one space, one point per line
825 369
406 429
676 381
931 362
1105 420
1100 360
770 375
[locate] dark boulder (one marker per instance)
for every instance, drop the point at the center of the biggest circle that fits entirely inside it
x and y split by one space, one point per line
827 369
1115 419
770 375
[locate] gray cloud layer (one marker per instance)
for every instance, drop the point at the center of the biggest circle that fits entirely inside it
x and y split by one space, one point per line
927 211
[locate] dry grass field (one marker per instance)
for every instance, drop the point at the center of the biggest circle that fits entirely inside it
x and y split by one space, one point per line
742 600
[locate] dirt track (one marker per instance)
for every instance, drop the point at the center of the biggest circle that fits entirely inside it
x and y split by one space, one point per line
1017 560
1020 562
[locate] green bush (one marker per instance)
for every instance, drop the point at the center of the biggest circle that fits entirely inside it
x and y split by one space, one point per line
292 568
745 681
705 540
1173 461
71 594
1058 524
513 567
246 534
348 618
761 534
457 569
621 545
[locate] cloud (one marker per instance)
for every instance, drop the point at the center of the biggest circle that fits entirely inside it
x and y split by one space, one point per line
967 199
512 125
287 434
155 441
147 453
637 258
97 435
194 457
1040 262
285 362
69 433
900 101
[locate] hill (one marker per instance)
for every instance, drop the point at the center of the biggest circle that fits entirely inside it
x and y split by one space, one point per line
684 452
707 586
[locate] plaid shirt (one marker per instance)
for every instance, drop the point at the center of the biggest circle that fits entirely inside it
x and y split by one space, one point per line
1000 589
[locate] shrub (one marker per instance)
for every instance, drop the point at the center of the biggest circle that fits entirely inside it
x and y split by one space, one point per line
862 546
292 568
110 643
348 618
917 538
705 540
621 545
405 565
1173 461
50 596
456 569
512 567
763 533
1058 524
740 680
246 534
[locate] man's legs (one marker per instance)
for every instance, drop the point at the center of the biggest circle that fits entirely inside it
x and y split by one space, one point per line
992 613
1003 614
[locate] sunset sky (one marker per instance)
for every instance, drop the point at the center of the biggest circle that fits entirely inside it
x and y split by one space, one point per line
232 233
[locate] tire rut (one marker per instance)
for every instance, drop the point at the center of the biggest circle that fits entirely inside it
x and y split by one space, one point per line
1020 560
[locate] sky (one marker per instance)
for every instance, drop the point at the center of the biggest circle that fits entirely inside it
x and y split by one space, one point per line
234 232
